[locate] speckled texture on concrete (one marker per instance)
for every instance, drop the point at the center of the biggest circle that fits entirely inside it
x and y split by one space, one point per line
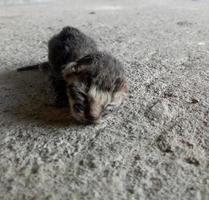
155 147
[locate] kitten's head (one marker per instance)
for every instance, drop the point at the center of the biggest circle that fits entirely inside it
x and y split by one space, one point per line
87 104
88 100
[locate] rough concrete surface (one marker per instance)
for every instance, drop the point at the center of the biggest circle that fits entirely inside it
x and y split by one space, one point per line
155 147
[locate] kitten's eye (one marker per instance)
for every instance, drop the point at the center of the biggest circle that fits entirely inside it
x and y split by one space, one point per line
78 107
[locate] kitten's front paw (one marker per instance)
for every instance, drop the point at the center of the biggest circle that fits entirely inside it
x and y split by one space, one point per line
110 108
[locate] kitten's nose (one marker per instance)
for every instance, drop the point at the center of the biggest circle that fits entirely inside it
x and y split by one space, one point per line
92 119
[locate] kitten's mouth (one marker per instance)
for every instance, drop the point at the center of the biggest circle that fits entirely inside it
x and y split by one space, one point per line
85 121
90 120
89 123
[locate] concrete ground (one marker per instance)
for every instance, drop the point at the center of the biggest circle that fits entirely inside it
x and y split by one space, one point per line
155 147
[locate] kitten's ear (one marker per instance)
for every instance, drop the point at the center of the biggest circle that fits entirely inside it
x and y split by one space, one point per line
86 60
80 65
69 69
124 86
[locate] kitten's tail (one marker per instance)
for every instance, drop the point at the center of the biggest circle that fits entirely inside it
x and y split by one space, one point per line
42 67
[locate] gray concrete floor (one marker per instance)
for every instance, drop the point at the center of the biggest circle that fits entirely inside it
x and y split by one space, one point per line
155 147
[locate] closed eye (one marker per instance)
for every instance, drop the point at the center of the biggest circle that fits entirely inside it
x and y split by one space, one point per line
75 93
78 107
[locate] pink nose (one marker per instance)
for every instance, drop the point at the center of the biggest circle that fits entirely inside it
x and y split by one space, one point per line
92 117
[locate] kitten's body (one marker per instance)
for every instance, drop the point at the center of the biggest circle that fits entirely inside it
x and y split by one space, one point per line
67 46
85 79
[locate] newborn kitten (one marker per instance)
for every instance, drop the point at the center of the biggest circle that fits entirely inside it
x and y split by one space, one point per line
95 84
90 82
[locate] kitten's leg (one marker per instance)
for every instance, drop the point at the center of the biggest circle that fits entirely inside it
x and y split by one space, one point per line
116 101
118 97
61 98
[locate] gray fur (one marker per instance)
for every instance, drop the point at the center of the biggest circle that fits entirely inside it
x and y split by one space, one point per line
67 46
97 77
100 69
83 78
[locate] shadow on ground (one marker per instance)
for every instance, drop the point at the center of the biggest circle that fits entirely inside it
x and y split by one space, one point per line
25 98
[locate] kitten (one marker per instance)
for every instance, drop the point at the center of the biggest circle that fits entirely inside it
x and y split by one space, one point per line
90 82
95 83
